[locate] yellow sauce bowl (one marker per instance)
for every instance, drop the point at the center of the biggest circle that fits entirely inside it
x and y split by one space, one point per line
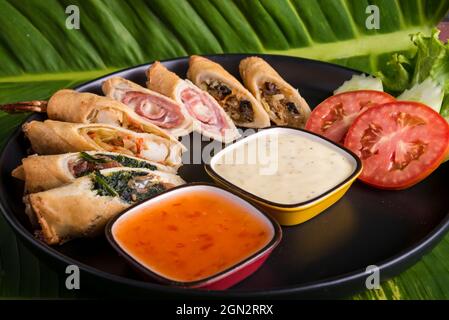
289 215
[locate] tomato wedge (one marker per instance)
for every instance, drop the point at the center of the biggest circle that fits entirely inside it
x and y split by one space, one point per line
333 117
400 143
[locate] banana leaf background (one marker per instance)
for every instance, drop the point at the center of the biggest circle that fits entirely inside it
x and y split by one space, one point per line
39 55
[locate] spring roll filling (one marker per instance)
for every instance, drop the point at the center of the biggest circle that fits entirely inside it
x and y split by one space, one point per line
107 116
204 109
86 163
116 118
239 109
130 186
114 141
155 109
274 99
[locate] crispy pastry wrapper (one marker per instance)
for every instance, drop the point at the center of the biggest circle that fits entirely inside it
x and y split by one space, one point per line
54 137
202 69
162 80
255 72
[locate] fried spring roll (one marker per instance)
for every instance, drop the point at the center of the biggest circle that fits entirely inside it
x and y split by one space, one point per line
150 105
54 137
208 117
235 99
83 207
82 107
42 173
283 103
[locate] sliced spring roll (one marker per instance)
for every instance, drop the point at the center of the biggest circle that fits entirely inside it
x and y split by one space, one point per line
235 99
153 106
209 118
83 107
283 103
42 173
83 207
54 137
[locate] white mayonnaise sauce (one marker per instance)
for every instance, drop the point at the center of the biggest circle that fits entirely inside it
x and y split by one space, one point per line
285 167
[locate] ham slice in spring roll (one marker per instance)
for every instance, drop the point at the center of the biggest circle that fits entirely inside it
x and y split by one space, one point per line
154 107
83 107
209 118
42 173
54 137
83 207
283 103
235 99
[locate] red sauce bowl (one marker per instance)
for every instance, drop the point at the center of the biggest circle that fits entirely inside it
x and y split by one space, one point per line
195 236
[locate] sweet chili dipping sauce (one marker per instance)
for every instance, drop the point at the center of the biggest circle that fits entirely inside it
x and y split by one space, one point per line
192 235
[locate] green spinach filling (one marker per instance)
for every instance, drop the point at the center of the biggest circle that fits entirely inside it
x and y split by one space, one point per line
130 186
88 163
130 162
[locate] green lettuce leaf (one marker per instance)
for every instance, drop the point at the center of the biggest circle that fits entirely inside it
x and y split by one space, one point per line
431 59
396 75
423 77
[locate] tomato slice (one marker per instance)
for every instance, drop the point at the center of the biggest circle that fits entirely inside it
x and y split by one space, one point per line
400 143
333 117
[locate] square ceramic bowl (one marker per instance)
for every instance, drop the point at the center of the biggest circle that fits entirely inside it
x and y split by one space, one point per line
296 213
220 280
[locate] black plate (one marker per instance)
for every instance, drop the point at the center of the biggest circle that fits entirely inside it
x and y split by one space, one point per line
324 257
